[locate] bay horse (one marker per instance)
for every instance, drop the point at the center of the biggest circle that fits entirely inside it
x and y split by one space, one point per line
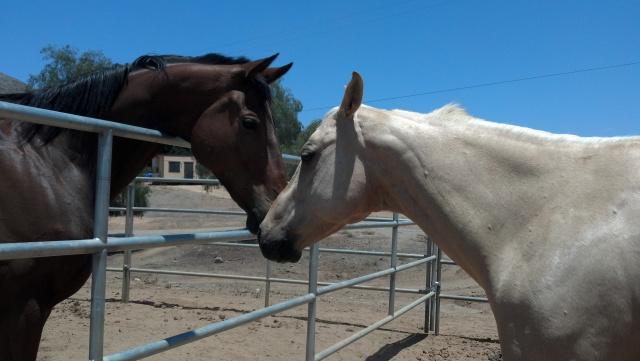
548 225
221 105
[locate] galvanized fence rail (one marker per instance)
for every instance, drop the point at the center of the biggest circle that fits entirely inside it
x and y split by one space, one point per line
101 244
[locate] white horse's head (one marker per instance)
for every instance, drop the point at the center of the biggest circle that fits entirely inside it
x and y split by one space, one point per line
329 188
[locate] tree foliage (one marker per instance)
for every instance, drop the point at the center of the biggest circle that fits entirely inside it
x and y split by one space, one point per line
291 134
304 136
65 65
175 150
284 109
140 199
203 173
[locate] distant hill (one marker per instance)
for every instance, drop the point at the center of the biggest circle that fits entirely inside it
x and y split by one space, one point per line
11 85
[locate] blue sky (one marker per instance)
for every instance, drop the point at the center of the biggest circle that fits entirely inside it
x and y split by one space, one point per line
413 55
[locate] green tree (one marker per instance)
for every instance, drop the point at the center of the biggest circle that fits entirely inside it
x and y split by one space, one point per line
284 109
305 134
140 199
296 147
203 173
65 65
173 149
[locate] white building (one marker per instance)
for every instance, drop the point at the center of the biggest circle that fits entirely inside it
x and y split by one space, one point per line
173 166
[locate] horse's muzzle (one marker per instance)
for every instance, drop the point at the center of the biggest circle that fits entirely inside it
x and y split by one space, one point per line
280 251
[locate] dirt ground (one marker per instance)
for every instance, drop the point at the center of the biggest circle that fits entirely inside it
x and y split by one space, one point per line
165 305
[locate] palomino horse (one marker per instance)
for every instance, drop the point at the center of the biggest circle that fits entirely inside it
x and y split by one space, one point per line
548 225
219 104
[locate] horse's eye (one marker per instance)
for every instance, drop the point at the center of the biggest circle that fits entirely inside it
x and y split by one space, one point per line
306 155
249 123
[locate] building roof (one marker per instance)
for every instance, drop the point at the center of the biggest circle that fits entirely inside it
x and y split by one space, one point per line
11 85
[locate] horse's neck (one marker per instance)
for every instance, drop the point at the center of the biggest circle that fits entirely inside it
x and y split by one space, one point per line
460 184
129 157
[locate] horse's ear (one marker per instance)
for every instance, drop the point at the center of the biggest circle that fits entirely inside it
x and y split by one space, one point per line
273 74
352 96
256 67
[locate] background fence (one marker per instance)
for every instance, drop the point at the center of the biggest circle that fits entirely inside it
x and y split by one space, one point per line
101 244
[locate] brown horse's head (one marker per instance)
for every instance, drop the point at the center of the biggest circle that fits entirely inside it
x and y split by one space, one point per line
235 138
223 109
219 104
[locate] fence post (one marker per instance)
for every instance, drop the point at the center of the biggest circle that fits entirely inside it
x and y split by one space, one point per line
434 270
128 232
394 262
267 286
428 287
99 260
311 315
438 287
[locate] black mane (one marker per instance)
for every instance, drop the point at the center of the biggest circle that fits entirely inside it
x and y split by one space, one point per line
94 95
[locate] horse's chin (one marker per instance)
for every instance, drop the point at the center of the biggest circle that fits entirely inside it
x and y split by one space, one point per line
252 224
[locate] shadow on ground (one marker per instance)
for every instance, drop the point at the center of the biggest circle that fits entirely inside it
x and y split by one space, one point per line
389 351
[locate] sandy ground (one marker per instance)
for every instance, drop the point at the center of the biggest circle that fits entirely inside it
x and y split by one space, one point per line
163 305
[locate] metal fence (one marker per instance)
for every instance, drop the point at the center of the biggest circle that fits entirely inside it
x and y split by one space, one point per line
312 282
101 244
